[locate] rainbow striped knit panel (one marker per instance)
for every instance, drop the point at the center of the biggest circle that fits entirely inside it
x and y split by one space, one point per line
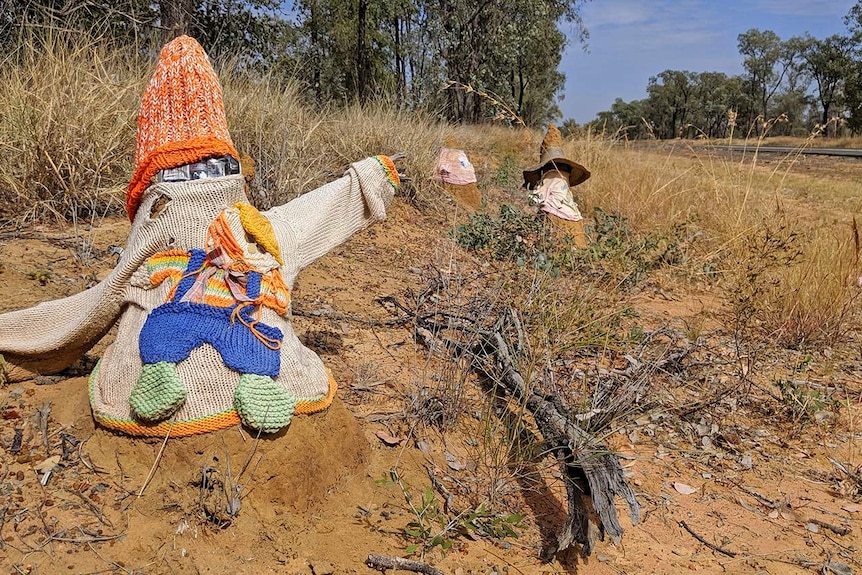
214 300
175 328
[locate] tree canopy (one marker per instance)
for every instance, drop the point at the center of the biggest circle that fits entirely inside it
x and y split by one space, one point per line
798 86
466 61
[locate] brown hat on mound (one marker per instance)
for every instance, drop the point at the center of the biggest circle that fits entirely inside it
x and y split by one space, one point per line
551 157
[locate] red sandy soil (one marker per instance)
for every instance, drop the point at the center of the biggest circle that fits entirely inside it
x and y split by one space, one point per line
314 498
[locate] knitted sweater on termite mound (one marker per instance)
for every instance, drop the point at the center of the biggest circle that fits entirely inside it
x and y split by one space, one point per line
305 229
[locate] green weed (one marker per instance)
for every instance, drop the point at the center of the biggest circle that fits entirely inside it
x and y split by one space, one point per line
432 528
802 401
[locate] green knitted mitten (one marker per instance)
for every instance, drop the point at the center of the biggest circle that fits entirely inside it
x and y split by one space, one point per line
158 393
263 404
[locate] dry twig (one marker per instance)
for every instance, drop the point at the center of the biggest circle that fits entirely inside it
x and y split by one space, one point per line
712 546
836 529
156 462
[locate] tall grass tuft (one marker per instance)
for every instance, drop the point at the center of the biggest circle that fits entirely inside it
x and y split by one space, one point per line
67 124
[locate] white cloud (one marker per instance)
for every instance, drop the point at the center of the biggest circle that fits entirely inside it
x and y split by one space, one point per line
810 8
626 25
615 13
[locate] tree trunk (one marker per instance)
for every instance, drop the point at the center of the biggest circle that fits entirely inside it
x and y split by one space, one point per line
399 65
314 16
175 17
361 53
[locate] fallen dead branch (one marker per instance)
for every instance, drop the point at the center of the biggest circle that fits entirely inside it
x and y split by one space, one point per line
588 466
381 563
836 529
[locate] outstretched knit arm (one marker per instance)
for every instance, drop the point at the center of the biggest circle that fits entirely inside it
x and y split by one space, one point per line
318 221
49 337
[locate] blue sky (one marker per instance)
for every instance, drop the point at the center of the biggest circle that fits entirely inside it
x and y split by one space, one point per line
631 40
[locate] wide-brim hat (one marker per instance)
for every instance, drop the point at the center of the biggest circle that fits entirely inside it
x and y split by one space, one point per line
554 159
551 157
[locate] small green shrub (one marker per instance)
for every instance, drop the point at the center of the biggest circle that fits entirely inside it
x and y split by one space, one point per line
802 401
506 238
508 174
431 527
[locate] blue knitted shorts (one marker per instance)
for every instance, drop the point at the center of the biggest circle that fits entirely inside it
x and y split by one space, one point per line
174 329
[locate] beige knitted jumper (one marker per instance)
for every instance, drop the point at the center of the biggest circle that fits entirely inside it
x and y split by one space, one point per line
52 335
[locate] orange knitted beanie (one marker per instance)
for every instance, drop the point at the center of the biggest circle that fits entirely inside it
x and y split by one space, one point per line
182 117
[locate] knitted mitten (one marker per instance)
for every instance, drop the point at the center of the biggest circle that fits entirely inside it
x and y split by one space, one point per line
263 404
159 391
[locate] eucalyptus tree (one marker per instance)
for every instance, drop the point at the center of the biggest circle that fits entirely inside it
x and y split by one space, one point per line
717 98
669 100
766 60
128 21
829 62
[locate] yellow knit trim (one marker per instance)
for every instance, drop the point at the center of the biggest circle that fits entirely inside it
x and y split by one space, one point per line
259 228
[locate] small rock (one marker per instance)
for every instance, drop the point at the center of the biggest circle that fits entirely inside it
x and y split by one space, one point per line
746 461
453 462
684 489
813 527
604 558
824 417
322 568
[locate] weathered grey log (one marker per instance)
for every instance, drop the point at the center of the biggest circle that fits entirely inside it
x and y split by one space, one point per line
381 563
575 448
588 467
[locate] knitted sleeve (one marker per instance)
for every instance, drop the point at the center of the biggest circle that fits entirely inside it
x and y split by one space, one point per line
318 221
52 335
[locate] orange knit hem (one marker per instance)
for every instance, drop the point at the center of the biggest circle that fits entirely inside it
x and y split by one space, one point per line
306 407
176 428
389 167
205 424
171 155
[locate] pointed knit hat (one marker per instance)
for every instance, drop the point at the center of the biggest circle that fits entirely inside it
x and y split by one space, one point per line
182 118
551 156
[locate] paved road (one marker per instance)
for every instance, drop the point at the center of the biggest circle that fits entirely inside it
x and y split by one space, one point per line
847 152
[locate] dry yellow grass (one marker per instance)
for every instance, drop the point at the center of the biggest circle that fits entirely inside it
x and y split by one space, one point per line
66 127
67 122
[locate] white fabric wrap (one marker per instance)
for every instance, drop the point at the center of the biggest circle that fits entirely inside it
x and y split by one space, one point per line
50 336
